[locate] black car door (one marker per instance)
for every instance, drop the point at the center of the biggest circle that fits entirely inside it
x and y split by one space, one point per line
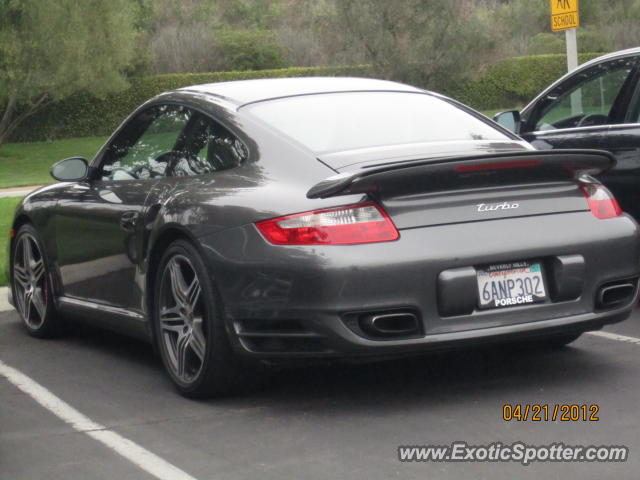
623 140
98 232
590 110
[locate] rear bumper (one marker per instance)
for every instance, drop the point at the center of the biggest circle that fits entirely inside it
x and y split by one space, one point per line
340 342
295 301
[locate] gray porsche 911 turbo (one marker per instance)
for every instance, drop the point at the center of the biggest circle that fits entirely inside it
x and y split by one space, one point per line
245 223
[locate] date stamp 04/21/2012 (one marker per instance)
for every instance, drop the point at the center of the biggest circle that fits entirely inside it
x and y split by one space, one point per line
544 412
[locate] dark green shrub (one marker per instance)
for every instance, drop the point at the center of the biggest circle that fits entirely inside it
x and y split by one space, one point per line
509 83
249 49
514 81
85 115
547 43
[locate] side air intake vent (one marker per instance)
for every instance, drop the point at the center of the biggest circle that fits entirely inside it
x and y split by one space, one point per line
278 336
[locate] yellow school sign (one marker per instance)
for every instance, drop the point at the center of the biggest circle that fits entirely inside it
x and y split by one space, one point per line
564 15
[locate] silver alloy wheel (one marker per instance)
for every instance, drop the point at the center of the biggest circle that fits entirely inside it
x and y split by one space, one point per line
30 281
181 319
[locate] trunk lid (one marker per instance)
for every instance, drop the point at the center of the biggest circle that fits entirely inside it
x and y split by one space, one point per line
437 191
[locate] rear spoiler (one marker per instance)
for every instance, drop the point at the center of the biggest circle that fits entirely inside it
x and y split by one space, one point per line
460 172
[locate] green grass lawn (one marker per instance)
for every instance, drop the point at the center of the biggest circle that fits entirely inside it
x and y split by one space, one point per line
7 207
29 163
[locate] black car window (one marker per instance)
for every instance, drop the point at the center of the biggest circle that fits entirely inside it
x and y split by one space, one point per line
633 113
147 145
210 147
588 100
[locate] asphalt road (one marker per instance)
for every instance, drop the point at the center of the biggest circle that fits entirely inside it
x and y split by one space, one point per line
315 423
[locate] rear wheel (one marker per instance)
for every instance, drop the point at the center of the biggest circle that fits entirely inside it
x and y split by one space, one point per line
189 326
31 285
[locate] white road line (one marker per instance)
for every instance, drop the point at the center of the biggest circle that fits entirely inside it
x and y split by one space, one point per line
615 336
143 458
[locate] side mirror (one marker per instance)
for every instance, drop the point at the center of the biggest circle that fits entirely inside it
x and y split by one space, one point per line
72 169
509 120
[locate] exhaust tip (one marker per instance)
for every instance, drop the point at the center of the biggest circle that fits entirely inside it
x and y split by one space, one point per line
615 295
390 324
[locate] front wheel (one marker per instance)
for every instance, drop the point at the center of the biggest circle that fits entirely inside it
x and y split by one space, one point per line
189 327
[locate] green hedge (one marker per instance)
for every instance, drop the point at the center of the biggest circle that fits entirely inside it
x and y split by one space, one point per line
514 81
84 115
509 83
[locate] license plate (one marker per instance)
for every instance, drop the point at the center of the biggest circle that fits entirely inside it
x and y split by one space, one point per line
510 285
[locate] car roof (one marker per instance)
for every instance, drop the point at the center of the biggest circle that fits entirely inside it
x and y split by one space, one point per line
241 92
612 55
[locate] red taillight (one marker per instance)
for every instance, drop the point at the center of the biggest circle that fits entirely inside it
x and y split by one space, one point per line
600 200
362 223
11 233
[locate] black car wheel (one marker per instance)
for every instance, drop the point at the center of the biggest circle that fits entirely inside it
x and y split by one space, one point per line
189 326
31 287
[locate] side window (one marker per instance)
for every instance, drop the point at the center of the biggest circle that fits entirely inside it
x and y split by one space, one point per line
210 148
147 146
589 101
633 114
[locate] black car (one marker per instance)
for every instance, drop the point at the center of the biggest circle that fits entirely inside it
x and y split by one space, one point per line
242 223
595 106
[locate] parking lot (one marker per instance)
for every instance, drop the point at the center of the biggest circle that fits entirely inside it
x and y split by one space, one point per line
321 422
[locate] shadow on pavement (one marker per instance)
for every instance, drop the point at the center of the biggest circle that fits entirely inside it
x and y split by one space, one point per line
413 383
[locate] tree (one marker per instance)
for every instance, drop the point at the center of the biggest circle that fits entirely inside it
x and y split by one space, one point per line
424 42
51 49
249 49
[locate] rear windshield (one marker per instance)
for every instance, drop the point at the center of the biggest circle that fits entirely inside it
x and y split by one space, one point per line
345 121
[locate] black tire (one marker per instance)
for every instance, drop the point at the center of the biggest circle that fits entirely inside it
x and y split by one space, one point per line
31 285
196 374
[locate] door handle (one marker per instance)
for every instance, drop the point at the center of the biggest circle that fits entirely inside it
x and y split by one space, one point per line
128 221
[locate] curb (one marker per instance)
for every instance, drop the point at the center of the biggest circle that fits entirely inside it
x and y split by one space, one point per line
4 301
17 192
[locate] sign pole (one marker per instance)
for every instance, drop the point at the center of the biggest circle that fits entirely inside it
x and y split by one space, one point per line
565 15
572 64
572 49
